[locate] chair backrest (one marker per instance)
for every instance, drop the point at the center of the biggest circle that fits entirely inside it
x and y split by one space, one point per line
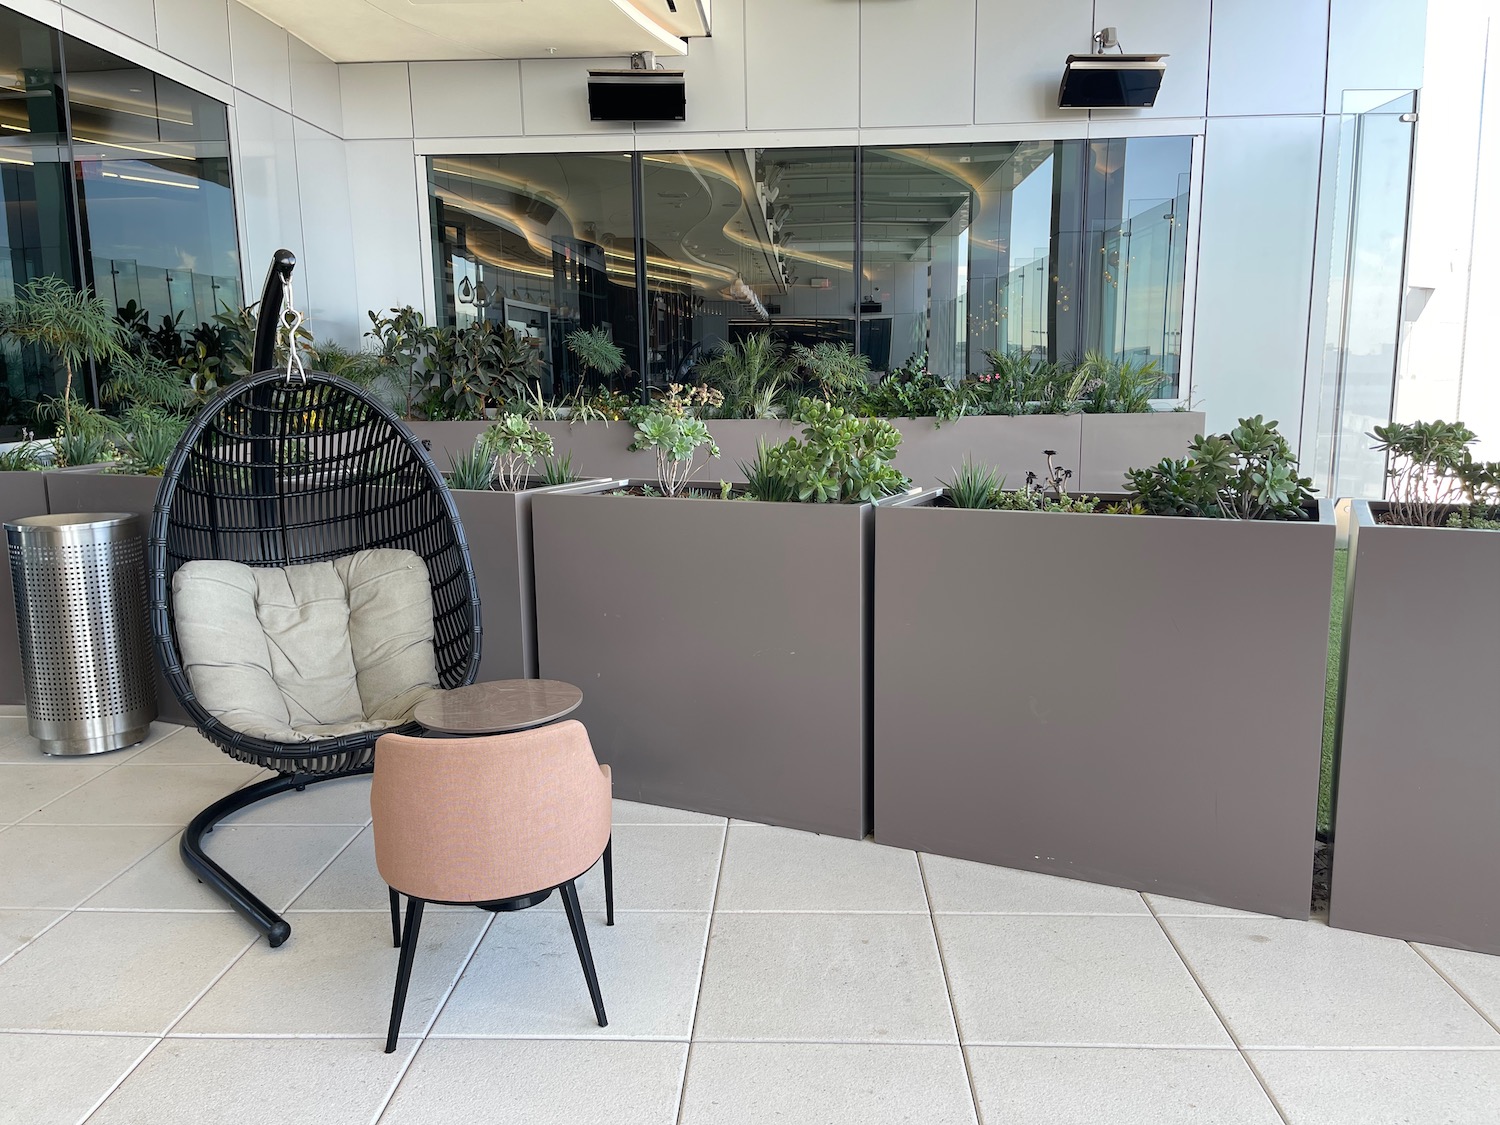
277 472
480 819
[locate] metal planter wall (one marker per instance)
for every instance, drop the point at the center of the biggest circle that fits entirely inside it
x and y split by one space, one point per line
1131 700
1417 818
21 494
721 647
1097 447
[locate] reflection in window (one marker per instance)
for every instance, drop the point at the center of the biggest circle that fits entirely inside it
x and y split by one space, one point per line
36 231
742 240
1049 248
545 244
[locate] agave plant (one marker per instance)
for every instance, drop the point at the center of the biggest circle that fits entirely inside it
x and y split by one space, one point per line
151 436
973 486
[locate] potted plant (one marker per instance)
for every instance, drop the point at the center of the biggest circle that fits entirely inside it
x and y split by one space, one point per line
1127 690
493 485
1417 799
720 634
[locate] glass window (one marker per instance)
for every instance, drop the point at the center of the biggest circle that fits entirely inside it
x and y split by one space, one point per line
36 234
739 241
544 243
152 169
1051 248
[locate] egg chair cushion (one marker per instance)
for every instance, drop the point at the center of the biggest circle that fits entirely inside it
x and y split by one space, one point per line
301 653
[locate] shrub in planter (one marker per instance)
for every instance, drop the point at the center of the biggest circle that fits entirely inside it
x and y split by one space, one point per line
493 485
1070 685
721 643
23 492
1417 799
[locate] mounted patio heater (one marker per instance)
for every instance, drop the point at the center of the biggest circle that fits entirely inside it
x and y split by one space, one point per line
1111 81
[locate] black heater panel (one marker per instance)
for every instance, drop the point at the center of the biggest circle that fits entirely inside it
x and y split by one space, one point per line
1111 81
637 95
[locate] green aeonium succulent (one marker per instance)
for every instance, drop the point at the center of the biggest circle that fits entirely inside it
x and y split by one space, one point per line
1246 474
675 437
841 458
515 445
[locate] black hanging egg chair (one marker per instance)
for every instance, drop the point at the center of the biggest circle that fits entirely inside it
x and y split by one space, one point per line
283 468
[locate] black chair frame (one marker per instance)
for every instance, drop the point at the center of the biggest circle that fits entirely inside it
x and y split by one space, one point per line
281 470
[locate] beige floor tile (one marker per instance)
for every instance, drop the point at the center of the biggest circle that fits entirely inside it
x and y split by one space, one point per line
1181 907
131 794
826 977
1477 975
540 1082
352 882
959 886
61 865
783 869
58 1079
180 746
1383 1087
129 972
335 977
1282 983
17 745
26 788
286 1081
812 1083
657 867
18 928
344 800
274 861
526 981
633 812
1117 1086
1075 980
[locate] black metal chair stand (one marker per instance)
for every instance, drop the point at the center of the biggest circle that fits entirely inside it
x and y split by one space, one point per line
282 469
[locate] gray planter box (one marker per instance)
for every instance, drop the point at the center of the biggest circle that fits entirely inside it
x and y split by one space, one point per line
1417 816
498 528
87 489
1097 447
1130 700
21 494
1113 443
721 647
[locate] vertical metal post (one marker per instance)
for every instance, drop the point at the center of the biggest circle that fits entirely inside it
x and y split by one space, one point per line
637 210
82 268
859 241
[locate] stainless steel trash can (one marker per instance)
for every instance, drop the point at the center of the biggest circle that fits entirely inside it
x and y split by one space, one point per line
80 583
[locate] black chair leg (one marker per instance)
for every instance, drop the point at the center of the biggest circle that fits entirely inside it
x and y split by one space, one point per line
609 882
403 969
395 917
581 940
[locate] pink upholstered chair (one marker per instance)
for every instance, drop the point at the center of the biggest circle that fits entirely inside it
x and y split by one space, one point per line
497 822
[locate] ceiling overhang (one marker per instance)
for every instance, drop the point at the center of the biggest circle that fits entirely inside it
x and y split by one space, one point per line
434 30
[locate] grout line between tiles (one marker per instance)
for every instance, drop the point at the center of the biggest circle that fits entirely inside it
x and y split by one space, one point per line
708 934
39 933
1214 1007
948 986
1451 983
156 1042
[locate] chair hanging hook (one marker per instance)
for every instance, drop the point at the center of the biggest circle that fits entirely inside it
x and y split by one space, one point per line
291 323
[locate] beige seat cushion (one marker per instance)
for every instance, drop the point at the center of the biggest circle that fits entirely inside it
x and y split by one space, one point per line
301 653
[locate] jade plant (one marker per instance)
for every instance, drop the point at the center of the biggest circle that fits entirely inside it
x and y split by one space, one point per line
841 458
669 429
1246 474
1432 472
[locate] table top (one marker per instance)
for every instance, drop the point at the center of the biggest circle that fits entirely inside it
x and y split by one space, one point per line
497 707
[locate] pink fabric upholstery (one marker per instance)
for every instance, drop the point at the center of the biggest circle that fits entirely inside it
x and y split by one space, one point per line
478 819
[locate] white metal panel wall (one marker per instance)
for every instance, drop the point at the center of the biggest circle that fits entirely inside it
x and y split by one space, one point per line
466 99
387 215
316 97
1374 45
261 54
197 32
1016 76
554 96
267 195
1268 57
903 47
714 70
326 270
135 18
1178 28
1257 231
377 100
802 64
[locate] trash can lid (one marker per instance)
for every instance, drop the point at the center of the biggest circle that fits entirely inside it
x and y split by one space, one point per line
60 520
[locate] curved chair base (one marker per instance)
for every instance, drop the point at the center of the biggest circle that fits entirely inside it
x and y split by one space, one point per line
254 911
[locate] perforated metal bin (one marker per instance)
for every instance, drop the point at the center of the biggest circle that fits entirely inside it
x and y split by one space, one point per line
80 588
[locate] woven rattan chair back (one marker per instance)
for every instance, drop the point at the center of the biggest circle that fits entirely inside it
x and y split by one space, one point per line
277 471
